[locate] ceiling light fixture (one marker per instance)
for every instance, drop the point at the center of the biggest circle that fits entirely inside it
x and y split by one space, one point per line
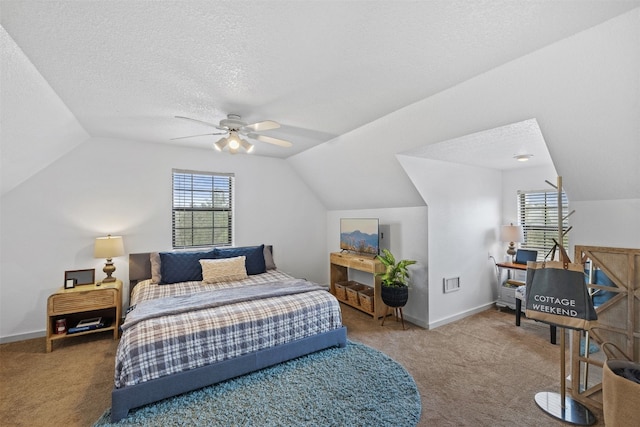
220 144
233 142
523 157
248 147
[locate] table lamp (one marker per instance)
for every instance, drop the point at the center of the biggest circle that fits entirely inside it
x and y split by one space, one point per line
512 234
108 247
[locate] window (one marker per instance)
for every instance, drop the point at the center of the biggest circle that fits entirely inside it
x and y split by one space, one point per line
538 212
202 209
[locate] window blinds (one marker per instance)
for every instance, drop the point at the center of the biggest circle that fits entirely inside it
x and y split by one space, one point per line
538 213
202 213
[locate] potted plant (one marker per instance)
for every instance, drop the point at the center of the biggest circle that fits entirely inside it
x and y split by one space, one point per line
395 288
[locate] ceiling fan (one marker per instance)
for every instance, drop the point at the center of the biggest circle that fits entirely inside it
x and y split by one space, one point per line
234 127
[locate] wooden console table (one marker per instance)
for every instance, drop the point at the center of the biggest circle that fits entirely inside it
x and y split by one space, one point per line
341 262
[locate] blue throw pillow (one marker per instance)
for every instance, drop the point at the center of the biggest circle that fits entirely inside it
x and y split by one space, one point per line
601 296
254 257
178 267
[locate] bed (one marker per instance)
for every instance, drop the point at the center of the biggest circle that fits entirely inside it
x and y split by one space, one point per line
182 335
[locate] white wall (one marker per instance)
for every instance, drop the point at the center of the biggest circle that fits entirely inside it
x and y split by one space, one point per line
50 221
464 205
407 240
522 179
611 223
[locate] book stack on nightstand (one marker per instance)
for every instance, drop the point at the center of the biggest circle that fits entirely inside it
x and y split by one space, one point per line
85 309
89 325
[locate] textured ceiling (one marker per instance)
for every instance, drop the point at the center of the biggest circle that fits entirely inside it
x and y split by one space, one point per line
320 68
494 148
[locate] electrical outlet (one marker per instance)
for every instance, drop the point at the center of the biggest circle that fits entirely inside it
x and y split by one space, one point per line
488 255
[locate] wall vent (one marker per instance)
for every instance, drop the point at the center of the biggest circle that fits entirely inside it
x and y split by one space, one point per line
451 285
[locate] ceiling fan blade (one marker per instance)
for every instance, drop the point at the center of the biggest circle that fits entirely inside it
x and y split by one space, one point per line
200 121
262 126
202 134
270 140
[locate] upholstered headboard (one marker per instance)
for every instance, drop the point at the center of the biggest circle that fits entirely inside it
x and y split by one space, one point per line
140 267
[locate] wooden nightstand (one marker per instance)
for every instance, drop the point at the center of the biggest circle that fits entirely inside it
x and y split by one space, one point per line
83 302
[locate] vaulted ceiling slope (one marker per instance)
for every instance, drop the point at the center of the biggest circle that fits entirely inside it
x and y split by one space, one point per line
324 70
583 91
36 128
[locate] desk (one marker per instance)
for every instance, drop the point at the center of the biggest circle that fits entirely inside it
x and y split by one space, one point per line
512 266
507 296
507 291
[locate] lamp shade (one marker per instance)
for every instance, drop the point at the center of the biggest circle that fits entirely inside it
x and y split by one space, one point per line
511 233
248 147
220 144
108 247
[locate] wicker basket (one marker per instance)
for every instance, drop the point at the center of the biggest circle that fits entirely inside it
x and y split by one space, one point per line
365 296
352 293
341 289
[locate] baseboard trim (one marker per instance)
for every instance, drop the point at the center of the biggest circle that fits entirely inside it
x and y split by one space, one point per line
23 337
416 321
461 315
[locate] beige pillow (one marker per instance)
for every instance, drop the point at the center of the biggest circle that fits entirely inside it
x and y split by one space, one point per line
223 270
268 258
156 276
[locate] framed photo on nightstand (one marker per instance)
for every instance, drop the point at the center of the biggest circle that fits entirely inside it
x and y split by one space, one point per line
70 283
80 277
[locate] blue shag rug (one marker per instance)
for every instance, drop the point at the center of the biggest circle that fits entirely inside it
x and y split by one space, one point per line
351 386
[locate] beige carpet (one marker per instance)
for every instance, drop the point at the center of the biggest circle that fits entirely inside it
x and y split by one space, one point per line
479 371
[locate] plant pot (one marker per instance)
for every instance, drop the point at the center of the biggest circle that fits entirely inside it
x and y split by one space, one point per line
394 296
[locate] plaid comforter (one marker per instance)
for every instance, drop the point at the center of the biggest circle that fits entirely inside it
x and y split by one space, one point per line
169 344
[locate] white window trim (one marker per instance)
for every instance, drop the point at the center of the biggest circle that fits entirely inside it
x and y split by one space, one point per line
230 194
542 226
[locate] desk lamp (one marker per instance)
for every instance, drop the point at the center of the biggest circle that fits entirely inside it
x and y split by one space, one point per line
512 234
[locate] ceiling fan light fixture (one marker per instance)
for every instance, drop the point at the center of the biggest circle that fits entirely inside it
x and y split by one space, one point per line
523 157
234 141
235 128
248 147
220 144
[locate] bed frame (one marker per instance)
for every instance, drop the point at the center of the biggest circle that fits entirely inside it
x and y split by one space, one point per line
126 398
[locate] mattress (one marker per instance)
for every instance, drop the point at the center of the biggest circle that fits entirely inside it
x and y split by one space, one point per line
166 345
